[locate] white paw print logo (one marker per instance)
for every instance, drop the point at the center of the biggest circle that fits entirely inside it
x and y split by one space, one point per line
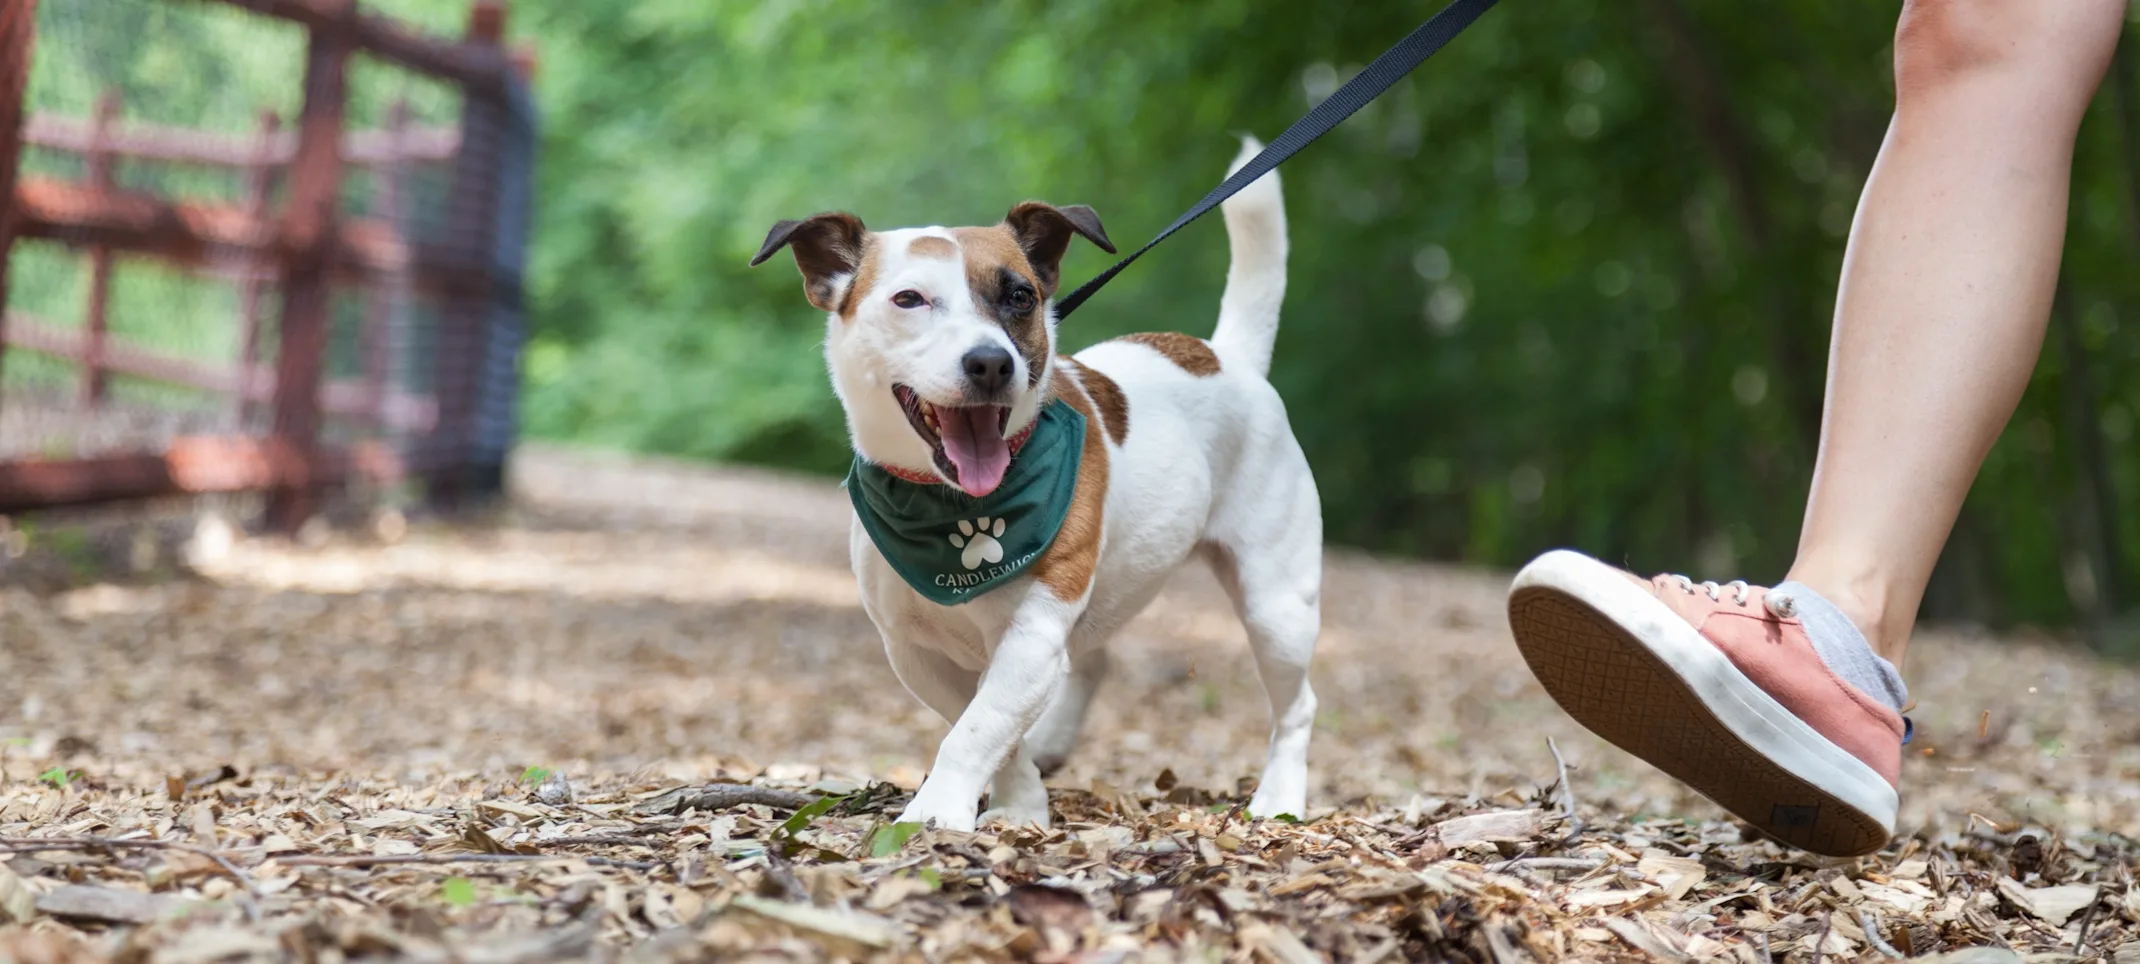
979 541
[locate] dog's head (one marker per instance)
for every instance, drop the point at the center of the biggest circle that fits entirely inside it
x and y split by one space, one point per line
940 340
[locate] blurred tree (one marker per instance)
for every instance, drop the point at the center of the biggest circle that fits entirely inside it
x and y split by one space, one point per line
1569 284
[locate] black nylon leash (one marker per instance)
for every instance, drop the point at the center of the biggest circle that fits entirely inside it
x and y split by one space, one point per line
1369 84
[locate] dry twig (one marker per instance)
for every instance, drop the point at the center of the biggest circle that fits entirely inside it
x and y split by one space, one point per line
1547 863
368 860
1567 795
1871 926
608 839
34 844
2080 940
724 796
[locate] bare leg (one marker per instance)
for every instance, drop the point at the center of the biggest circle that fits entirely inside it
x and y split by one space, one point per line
1946 287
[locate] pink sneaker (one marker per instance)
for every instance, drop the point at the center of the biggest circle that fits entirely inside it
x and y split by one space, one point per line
1719 687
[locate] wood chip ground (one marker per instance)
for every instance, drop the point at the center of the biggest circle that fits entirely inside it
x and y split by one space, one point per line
580 731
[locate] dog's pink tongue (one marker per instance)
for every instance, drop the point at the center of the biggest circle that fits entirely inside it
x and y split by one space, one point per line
973 437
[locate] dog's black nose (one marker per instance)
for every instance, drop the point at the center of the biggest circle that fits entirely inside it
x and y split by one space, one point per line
988 369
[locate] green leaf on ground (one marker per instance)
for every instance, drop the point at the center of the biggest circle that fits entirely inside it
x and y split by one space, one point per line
808 814
891 838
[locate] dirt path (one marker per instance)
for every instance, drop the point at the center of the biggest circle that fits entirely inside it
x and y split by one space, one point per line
636 626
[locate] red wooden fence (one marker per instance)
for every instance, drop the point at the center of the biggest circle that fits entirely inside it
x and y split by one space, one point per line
307 249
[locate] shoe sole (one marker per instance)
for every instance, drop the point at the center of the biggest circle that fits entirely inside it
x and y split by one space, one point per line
1630 670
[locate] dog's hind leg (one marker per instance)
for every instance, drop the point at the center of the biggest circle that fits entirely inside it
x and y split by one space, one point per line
1278 596
1050 741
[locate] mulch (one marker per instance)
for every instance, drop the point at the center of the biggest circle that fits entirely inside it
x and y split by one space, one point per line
640 716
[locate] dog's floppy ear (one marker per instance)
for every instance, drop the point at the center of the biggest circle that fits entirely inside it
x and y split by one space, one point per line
1044 230
828 249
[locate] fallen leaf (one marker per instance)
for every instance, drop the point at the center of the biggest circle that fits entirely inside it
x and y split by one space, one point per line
1676 875
1895 898
522 811
2053 905
855 927
1641 939
1386 889
1515 826
17 904
203 945
1974 955
106 904
392 820
892 890
202 821
1278 945
1606 898
892 838
1049 908
1304 882
659 909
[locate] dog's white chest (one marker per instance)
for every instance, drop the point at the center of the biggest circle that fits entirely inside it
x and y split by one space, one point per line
964 634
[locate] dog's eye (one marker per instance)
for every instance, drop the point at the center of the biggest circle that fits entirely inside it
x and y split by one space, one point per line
1021 301
909 299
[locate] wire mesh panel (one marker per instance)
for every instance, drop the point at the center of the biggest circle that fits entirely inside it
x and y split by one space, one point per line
112 347
260 244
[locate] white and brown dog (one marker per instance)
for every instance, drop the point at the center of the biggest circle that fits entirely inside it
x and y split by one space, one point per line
941 343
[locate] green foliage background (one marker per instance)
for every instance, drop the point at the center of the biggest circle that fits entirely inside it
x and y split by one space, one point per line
1569 284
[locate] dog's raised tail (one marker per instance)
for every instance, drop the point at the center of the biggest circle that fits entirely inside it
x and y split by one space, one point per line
1255 283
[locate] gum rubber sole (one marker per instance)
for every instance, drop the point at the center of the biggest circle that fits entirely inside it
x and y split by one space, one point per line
1626 693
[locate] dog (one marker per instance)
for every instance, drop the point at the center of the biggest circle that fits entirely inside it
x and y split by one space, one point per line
941 347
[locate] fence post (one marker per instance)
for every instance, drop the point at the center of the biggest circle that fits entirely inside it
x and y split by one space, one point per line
471 218
260 190
100 167
307 245
386 299
18 23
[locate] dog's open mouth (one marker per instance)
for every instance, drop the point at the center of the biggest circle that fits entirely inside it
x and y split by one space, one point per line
965 440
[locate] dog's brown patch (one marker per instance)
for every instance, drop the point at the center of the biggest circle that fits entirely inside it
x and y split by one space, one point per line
1190 353
865 278
990 253
1068 565
1106 396
931 246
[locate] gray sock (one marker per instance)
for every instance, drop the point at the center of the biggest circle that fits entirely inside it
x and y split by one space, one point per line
1844 649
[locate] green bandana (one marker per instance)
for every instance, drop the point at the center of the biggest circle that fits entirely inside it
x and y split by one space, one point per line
951 546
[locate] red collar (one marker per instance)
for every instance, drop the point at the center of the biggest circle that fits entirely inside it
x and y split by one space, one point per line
929 478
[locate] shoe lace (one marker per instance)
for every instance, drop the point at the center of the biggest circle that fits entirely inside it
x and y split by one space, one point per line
1779 603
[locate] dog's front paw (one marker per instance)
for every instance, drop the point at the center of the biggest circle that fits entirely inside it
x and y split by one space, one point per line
1277 801
1017 817
927 808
